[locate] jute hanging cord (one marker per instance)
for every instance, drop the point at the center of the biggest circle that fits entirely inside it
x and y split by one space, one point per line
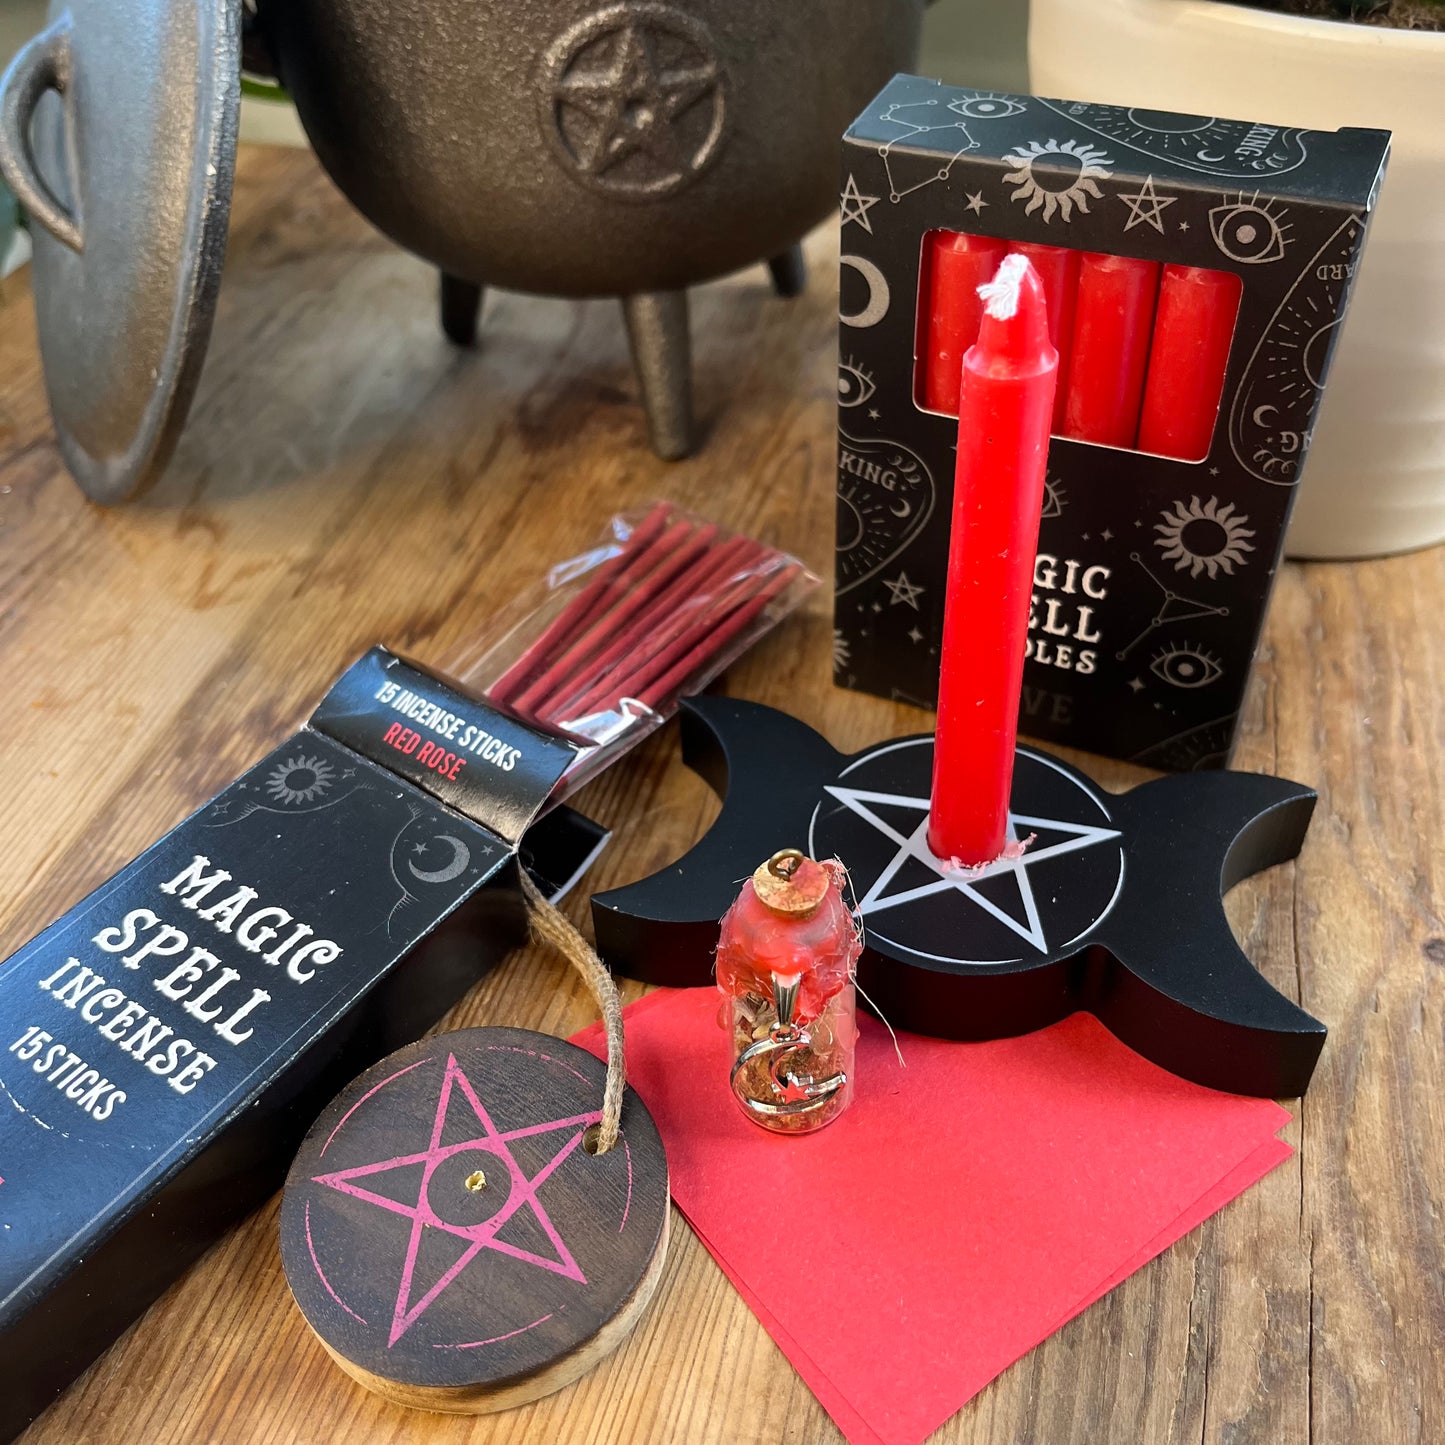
549 926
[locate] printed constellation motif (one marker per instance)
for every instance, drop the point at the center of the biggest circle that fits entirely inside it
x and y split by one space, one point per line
1174 607
913 128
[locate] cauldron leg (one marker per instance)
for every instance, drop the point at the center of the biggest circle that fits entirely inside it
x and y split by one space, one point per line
662 358
461 309
790 272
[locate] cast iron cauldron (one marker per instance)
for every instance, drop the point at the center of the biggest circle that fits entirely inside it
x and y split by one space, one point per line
628 148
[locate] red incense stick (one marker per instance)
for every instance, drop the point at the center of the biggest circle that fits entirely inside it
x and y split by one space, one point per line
712 642
654 629
683 631
634 620
672 552
580 607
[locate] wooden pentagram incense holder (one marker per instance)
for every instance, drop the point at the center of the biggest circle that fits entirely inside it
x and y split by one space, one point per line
1107 903
165 1045
456 1236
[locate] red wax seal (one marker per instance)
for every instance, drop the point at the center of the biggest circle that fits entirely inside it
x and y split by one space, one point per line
789 921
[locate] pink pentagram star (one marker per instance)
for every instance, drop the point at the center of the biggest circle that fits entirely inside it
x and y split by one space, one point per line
479 1236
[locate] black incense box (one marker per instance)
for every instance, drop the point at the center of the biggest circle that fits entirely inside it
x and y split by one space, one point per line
167 1043
1153 571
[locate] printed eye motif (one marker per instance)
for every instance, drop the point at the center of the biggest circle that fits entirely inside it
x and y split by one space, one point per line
855 385
986 107
1185 665
1248 232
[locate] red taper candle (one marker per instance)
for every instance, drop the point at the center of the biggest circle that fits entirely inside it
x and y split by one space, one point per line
1113 322
1058 269
1193 327
1006 405
955 266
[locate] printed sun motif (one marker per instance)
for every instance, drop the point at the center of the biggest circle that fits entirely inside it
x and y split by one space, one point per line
1204 537
842 653
1056 176
300 779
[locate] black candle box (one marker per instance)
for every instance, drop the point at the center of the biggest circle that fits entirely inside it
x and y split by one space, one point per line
167 1043
1152 574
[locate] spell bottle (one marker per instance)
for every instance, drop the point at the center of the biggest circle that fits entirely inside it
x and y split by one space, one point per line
785 962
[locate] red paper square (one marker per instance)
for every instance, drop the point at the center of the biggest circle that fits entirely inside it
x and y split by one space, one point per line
963 1208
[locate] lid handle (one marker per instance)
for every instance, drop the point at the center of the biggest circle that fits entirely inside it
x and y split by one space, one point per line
43 65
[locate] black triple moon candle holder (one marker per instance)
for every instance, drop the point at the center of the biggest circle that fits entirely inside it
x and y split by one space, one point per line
1114 906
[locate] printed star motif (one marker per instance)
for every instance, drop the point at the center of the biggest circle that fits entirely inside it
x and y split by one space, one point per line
856 205
902 590
418 848
1184 225
1107 535
1146 206
483 1236
1137 683
914 635
1030 926
635 102
976 202
874 414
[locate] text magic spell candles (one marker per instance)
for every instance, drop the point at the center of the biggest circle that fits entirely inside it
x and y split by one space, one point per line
1005 409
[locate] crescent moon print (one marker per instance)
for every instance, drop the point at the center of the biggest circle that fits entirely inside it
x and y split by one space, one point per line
1215 147
885 498
454 867
1269 419
421 859
876 307
1114 905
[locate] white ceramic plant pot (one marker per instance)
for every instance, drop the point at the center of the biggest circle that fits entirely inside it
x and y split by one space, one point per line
1374 481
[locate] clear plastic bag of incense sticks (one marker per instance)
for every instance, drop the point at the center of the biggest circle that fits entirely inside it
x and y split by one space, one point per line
604 646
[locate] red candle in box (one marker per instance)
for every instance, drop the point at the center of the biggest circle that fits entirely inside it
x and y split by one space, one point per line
1058 269
1113 322
955 266
1193 328
1005 410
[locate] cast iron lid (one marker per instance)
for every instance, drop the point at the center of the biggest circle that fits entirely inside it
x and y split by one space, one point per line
118 135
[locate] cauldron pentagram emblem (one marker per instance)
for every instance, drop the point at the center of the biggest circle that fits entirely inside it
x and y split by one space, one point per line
634 100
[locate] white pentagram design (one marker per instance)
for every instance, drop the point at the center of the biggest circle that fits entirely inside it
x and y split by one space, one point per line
915 845
1146 206
902 590
1008 912
856 205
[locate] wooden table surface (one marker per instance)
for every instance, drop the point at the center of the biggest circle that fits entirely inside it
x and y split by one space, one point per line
348 478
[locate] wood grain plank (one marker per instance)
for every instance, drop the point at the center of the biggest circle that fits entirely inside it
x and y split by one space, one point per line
348 478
